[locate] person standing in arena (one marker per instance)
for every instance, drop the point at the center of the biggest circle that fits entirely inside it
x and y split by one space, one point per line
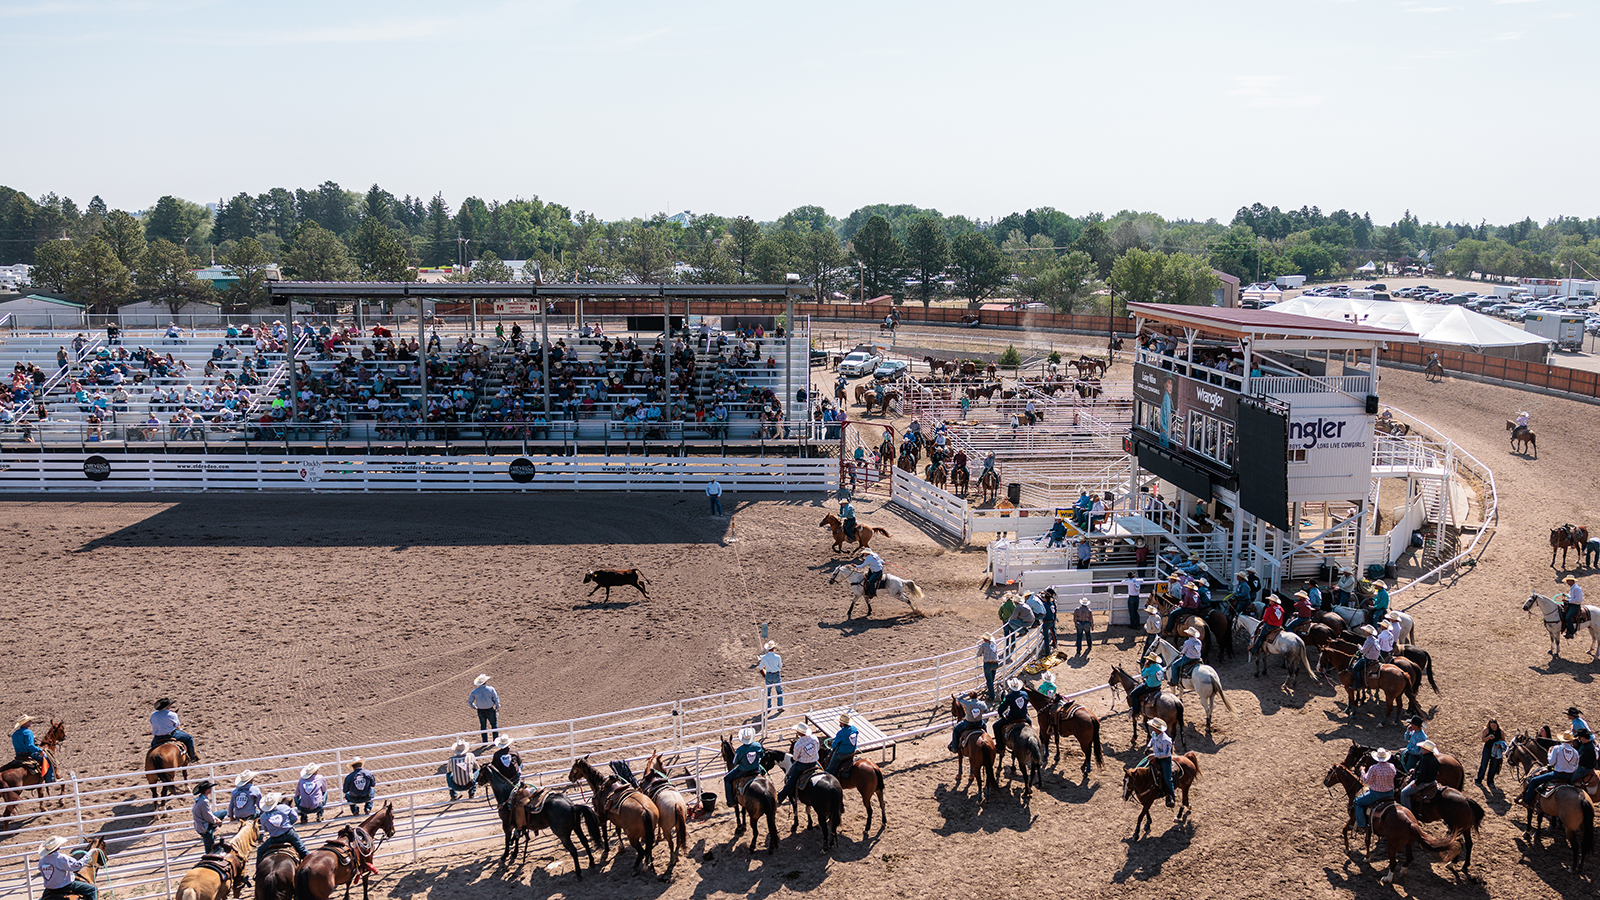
486 700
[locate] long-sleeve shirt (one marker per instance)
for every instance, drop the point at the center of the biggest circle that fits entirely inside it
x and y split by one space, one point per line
58 869
1380 778
1160 745
974 708
244 801
164 722
1413 738
988 652
279 820
807 749
1385 639
1192 649
1370 649
483 697
1564 758
311 792
359 785
23 743
204 818
1153 674
1083 615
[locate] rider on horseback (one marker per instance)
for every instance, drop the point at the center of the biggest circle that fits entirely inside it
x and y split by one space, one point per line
1151 673
505 768
1369 654
872 564
973 710
1571 606
847 517
1520 431
278 821
1563 768
164 726
1013 709
807 750
1379 781
1424 772
27 747
746 761
1161 756
1192 653
1272 621
842 751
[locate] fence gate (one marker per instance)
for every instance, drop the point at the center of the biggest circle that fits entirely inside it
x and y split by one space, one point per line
942 508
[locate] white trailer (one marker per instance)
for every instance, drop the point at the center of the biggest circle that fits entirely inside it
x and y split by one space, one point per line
1564 329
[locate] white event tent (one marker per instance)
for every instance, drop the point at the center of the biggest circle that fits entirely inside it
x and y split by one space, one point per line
1449 327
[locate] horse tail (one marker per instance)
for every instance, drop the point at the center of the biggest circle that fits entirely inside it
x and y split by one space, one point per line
882 531
913 591
1097 754
1194 761
1477 814
1428 670
1224 697
1437 845
650 825
302 884
1305 660
591 821
1588 828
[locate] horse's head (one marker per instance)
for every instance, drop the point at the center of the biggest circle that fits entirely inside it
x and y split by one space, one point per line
56 734
580 769
1354 754
727 752
383 821
770 758
828 521
1127 784
1532 599
1332 778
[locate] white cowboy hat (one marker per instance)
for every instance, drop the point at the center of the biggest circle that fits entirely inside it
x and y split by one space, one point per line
502 742
803 728
480 681
1301 595
1251 570
1380 755
21 722
1570 580
1428 746
1157 724
1193 632
1151 609
1367 629
271 800
747 734
1083 601
844 717
244 778
310 769
52 844
1240 576
460 746
770 645
1014 684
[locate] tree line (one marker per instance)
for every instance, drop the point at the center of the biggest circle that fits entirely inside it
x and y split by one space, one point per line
1087 263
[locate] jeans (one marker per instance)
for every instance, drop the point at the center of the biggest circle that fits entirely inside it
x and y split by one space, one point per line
1175 677
1569 611
1049 631
727 783
1411 789
960 731
716 510
869 585
1133 611
488 720
1488 764
774 683
182 737
358 804
1012 628
989 670
1539 781
796 775
1136 698
270 844
1162 766
1365 801
78 886
208 838
306 814
1083 637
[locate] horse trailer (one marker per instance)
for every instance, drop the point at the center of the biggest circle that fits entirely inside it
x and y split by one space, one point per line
1564 329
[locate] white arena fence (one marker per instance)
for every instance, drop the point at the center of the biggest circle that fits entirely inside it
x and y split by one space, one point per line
93 473
942 508
151 848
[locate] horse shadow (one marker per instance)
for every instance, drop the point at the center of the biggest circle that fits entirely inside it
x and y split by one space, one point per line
1550 858
604 606
1148 855
863 624
126 827
963 813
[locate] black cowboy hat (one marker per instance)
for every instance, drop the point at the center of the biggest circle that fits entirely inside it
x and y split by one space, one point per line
1416 720
163 703
1574 711
204 786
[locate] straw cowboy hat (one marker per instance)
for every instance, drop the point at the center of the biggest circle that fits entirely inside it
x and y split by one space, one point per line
1151 609
502 742
747 734
1157 724
21 722
1380 755
1570 580
1251 570
988 635
357 763
844 717
1427 746
1301 595
52 844
271 800
310 769
244 778
480 681
460 746
1564 737
770 645
1174 577
1367 629
1193 632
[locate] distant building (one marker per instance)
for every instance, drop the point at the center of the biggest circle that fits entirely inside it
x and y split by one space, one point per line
40 310
1228 294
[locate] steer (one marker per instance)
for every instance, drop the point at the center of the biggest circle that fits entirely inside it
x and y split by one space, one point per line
610 578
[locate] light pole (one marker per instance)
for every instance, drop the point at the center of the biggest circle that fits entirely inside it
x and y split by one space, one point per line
861 281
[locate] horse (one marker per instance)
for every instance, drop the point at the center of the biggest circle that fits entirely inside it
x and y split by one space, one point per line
1140 781
526 811
1567 537
1202 679
1552 623
1060 718
18 776
95 850
1353 616
624 806
866 778
1451 773
989 484
1523 755
346 858
884 401
977 750
672 810
1400 830
863 536
610 578
960 479
1461 814
165 765
218 874
893 585
1160 705
1028 756
752 800
935 475
1524 436
275 875
820 791
1285 643
1422 659
865 395
1570 806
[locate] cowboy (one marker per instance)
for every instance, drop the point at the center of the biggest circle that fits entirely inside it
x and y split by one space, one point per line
1083 625
311 792
842 752
27 747
206 820
164 726
461 772
1161 755
1379 781
988 464
1577 722
1021 618
847 517
746 761
59 870
1191 654
1272 620
486 700
807 751
771 667
1424 772
505 768
1013 709
1152 627
1303 610
1571 605
358 787
1344 592
1563 768
1047 618
1370 654
1135 586
1047 684
1314 595
1415 736
1175 594
1241 587
244 802
1388 636
872 564
1583 739
277 822
1521 428
990 655
1380 603
1151 673
1058 533
1255 582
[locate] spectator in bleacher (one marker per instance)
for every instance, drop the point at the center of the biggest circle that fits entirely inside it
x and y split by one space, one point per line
1058 533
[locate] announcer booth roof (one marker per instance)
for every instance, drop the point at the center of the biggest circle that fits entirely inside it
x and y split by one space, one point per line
466 290
1258 325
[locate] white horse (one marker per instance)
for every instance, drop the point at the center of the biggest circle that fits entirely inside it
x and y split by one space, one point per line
1353 617
1552 623
1202 679
893 585
1285 643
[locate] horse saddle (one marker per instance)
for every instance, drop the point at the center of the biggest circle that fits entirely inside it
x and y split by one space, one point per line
1426 793
1187 667
220 864
169 739
536 801
654 783
1581 617
39 767
1009 733
740 783
1064 708
616 798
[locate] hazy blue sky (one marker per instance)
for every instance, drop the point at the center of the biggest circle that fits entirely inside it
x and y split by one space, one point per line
1456 109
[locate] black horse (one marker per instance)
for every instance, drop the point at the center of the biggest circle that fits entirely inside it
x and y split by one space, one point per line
756 800
820 791
522 812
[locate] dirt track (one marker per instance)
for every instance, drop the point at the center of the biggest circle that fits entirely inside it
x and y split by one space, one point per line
308 619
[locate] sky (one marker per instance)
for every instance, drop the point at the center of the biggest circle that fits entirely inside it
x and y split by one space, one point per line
1458 110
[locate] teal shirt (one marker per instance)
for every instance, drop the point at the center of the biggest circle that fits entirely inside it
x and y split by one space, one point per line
844 742
847 511
1152 675
1380 600
747 759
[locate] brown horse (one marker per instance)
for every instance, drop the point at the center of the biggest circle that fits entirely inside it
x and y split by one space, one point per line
165 766
672 810
863 537
1162 705
1460 813
961 480
218 874
865 396
1400 830
977 749
1141 782
624 806
1060 719
753 799
1567 537
864 775
1523 755
935 475
275 874
19 776
888 397
989 485
1571 807
344 859
1525 437
1451 774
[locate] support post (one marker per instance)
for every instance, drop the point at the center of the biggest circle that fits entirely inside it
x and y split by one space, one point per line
77 802
413 815
166 863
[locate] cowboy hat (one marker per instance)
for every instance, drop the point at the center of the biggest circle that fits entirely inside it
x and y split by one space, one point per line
1414 720
1564 737
1367 629
1275 600
1014 684
52 844
358 762
1427 746
480 681
1251 570
1239 575
747 734
844 717
1083 601
770 645
1570 580
460 746
1192 632
988 635
163 703
803 727
1157 724
21 722
310 769
204 786
1572 711
502 742
271 800
1193 556
1380 755
1301 595
244 778
1174 577
1152 610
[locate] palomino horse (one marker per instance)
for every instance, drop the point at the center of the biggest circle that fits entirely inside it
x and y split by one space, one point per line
527 811
1525 437
1285 643
1023 742
624 806
218 874
1567 537
344 859
19 776
165 765
1143 782
977 749
1202 679
820 791
893 585
1400 830
752 800
1060 719
989 485
863 536
1160 705
1552 623
1571 807
672 810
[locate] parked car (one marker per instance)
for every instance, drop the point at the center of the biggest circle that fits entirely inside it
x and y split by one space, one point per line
890 369
858 362
818 357
1377 287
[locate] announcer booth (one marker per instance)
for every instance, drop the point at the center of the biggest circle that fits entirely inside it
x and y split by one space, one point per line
1256 429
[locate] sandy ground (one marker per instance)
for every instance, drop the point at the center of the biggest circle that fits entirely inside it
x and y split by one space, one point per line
333 619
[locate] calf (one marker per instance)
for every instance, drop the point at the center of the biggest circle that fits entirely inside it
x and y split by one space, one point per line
610 578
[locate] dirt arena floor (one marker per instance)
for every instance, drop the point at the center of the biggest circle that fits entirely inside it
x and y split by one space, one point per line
323 621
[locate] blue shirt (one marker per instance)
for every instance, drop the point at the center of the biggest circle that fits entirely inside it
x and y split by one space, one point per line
845 740
747 759
358 785
279 820
244 801
1413 738
23 744
1314 595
